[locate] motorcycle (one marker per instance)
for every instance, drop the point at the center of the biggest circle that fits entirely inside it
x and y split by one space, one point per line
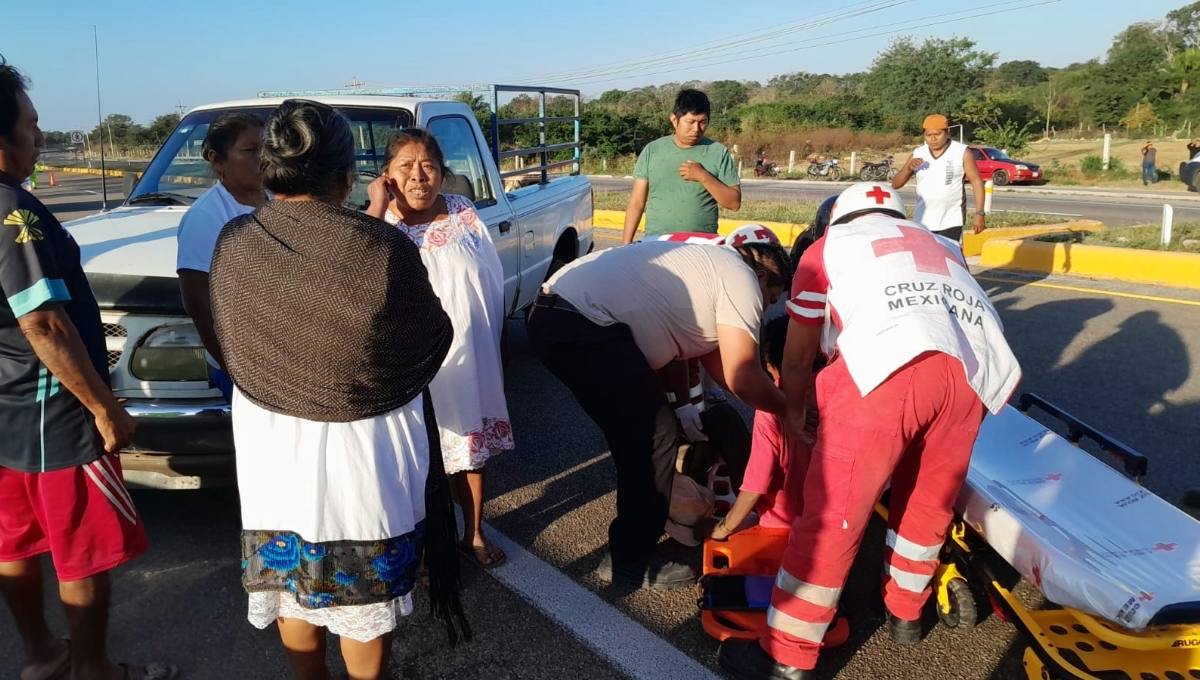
765 168
825 168
883 170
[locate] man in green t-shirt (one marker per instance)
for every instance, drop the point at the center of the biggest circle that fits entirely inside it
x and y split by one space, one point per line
682 180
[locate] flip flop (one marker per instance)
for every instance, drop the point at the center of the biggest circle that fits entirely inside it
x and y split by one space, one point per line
150 672
484 556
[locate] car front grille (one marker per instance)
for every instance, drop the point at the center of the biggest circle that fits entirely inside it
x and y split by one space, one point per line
113 330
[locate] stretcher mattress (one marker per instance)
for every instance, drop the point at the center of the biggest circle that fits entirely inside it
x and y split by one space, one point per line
1089 537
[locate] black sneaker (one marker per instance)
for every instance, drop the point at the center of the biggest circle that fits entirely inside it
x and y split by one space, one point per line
747 660
905 632
657 575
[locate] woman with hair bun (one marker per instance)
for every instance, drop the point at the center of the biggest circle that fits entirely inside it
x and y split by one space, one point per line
332 334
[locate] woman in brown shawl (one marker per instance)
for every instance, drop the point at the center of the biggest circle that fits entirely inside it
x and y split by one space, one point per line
331 334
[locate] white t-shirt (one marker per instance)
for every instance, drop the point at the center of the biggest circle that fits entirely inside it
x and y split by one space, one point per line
199 229
202 224
671 295
940 188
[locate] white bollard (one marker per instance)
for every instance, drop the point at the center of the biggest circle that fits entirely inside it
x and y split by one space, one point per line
853 161
791 161
987 196
1168 219
1107 148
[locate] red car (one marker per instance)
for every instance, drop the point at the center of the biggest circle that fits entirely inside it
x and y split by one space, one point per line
997 166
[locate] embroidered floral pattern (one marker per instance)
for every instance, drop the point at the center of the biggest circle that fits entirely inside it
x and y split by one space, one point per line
461 226
472 451
338 573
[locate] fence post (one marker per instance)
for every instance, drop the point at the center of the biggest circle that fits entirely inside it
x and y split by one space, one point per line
1107 148
791 161
987 196
739 168
604 163
853 161
1168 219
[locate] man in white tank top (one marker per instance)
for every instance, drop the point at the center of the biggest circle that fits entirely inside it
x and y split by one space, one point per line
940 167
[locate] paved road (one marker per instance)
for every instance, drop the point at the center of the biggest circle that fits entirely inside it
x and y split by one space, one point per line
1118 360
1113 210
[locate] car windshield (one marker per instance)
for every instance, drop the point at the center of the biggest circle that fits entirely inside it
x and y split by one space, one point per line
179 174
998 155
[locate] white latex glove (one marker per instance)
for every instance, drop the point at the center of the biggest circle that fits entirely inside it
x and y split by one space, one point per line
689 420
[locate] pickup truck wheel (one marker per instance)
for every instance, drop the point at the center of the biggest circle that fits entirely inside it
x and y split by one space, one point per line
1000 178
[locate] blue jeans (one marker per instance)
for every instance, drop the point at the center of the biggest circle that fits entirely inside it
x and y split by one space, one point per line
1149 173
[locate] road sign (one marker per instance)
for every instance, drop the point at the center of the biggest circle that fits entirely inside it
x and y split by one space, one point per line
76 137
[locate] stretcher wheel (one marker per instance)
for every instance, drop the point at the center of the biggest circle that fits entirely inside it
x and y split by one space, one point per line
963 614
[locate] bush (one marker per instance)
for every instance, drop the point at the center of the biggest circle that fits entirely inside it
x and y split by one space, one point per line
1091 165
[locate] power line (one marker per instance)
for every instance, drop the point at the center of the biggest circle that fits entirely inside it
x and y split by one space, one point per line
889 31
732 42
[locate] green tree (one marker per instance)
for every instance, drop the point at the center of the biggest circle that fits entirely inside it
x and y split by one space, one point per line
726 94
1022 73
908 81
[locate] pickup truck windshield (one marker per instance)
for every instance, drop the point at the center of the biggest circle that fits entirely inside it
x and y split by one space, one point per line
179 174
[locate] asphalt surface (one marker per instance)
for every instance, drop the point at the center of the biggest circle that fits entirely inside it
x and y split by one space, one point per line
1114 208
1121 362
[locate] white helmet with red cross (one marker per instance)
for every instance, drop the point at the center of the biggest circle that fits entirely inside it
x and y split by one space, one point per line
750 233
866 197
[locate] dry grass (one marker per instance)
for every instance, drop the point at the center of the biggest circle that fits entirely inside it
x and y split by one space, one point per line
813 142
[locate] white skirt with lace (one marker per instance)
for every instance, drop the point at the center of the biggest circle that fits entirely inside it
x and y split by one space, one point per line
361 623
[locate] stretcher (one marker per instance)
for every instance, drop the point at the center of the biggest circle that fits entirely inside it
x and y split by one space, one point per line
1119 565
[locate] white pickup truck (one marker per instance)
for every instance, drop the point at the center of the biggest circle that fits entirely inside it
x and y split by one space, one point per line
155 357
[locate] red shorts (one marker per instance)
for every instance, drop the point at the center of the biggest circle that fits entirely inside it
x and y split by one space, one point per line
83 516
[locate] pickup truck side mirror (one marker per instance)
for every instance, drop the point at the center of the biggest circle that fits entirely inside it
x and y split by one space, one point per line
129 182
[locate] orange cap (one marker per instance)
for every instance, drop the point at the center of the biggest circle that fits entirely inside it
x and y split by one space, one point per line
936 122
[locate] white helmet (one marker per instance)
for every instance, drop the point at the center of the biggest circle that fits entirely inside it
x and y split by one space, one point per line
750 233
866 197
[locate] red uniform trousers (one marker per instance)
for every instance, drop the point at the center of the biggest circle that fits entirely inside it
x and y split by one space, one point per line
916 429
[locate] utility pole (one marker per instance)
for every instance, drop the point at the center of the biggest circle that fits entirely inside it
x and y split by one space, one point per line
180 108
355 83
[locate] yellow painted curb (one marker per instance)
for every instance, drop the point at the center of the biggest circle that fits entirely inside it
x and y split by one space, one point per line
1101 262
86 171
787 232
973 243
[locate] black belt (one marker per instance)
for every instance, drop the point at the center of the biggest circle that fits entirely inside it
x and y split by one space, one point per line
552 301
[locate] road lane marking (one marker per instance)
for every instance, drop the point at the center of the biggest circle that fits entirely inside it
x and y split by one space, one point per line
1095 291
618 639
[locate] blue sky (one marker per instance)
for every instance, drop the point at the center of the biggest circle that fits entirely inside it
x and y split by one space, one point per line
155 55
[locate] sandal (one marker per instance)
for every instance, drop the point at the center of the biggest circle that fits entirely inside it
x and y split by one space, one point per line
150 672
488 556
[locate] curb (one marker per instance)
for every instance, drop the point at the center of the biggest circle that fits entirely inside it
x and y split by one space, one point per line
88 171
973 243
614 220
1181 270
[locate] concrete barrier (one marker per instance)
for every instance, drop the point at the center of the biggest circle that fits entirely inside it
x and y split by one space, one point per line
787 232
1101 262
973 243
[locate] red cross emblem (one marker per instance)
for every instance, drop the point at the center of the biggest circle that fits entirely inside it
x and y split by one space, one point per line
878 194
1037 577
928 253
762 234
1165 547
1054 477
1146 597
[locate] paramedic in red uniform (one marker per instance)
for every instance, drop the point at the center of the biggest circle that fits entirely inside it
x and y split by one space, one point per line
917 358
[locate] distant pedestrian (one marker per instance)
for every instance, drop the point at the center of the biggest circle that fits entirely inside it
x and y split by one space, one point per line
1149 164
940 168
61 488
681 181
332 335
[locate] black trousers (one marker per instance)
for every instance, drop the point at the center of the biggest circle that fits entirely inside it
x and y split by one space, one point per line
609 376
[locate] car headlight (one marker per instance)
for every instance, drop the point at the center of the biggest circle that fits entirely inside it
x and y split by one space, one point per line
170 353
1022 167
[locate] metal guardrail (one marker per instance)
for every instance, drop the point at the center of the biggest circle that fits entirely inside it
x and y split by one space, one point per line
542 151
